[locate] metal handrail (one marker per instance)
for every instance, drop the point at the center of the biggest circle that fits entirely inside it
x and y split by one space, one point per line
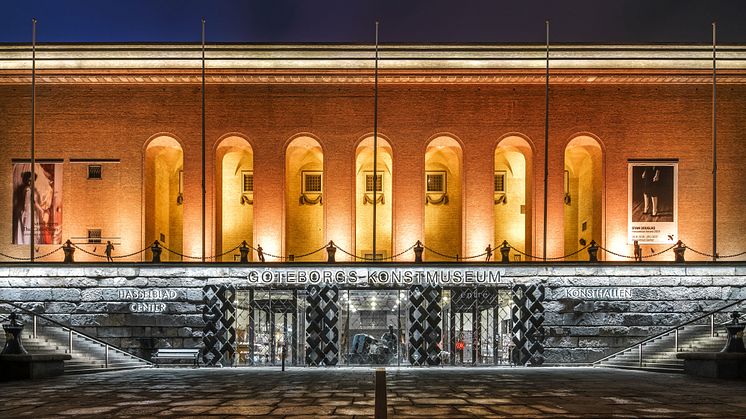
72 331
667 331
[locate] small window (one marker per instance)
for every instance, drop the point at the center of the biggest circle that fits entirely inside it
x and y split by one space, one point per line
311 182
247 181
435 182
499 184
94 235
369 183
163 238
584 226
94 171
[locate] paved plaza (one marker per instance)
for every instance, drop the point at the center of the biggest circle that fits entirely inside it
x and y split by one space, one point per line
349 392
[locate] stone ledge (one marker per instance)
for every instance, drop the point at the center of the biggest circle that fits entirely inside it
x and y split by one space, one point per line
723 365
32 366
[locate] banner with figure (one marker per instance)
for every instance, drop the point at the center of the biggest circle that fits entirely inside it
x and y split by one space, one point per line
48 203
652 203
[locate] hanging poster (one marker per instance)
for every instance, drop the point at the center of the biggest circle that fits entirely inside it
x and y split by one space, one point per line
48 203
652 202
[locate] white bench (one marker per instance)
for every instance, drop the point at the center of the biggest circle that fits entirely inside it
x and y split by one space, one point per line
176 354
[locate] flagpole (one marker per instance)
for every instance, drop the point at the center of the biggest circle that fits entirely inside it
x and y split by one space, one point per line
33 145
204 191
546 144
714 147
375 145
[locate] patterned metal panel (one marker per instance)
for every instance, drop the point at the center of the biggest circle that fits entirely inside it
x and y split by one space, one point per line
322 331
424 324
219 314
528 324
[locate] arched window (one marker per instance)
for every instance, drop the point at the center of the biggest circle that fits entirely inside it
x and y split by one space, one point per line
443 197
164 195
365 182
304 198
234 206
582 194
512 197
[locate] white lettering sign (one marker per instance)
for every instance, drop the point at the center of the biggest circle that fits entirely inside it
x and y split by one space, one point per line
374 276
147 300
599 293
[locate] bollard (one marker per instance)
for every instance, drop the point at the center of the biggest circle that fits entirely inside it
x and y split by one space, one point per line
593 251
418 249
331 250
505 252
13 345
69 252
678 252
156 249
244 249
380 402
735 335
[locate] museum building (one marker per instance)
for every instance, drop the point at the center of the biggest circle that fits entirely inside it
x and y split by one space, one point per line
272 147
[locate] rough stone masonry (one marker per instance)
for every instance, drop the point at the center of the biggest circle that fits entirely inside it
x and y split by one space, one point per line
591 310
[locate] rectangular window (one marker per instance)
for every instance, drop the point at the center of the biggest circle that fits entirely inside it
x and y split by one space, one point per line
435 182
370 256
247 181
311 182
499 184
94 235
94 171
369 183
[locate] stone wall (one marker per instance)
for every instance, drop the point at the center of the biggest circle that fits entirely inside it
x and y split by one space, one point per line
590 310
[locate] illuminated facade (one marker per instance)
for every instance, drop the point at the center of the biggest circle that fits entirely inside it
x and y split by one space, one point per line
289 158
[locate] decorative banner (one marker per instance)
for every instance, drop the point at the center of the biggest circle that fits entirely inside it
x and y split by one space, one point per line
48 200
652 202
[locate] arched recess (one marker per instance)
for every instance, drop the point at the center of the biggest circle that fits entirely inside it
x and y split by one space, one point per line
164 195
443 197
512 197
304 199
364 185
583 198
234 185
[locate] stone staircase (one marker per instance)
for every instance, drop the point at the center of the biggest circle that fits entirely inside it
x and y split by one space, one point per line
88 355
659 353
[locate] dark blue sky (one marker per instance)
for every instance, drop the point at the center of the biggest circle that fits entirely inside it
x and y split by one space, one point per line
417 21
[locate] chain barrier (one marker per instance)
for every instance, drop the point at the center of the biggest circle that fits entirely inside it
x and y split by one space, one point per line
310 253
86 251
130 254
441 254
49 253
356 256
716 256
641 256
552 258
15 257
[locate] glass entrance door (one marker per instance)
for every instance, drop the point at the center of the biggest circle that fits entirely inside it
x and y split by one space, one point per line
267 327
478 329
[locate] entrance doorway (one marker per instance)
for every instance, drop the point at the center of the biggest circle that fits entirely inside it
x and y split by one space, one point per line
373 327
478 328
267 327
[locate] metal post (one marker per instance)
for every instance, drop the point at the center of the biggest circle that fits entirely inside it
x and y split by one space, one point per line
640 353
546 145
204 190
32 232
375 145
380 403
676 340
714 147
106 356
34 325
712 325
70 343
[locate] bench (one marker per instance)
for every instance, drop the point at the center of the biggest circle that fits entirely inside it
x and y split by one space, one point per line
191 354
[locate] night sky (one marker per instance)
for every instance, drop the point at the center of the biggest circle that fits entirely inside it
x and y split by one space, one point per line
352 21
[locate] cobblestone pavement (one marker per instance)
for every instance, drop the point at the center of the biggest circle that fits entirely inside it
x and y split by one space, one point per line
349 392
